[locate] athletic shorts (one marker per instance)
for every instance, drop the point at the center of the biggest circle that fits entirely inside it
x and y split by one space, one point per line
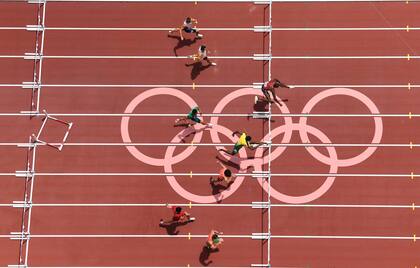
236 148
189 30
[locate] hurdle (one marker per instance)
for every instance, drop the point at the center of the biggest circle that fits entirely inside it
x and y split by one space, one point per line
59 146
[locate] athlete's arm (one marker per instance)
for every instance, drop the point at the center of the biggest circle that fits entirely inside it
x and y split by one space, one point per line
235 132
281 84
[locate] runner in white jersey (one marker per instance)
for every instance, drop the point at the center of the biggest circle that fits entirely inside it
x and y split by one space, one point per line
188 27
201 55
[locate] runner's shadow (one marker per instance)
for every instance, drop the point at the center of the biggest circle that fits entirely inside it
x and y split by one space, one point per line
228 163
182 43
218 187
261 106
171 227
205 255
198 67
191 131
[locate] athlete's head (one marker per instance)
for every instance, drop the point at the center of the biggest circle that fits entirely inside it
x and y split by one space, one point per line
188 20
227 173
178 209
194 111
248 138
276 83
203 48
214 237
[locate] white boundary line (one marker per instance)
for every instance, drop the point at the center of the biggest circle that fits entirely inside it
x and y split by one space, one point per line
405 57
220 28
104 86
206 115
190 236
245 205
144 174
347 29
411 145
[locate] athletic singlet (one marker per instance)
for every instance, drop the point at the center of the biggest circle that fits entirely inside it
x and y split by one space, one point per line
191 115
201 53
188 25
269 84
242 140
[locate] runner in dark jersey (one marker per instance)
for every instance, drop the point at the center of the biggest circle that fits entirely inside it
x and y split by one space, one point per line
191 119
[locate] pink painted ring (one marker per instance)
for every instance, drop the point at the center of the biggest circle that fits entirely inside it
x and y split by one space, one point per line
132 106
318 192
377 136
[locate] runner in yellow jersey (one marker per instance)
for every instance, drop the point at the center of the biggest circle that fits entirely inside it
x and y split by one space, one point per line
244 141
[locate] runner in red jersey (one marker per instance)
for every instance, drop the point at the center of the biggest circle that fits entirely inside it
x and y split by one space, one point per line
271 86
180 216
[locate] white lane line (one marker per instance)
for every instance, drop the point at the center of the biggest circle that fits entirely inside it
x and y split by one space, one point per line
206 115
372 206
13 28
142 174
140 29
348 29
343 237
412 86
189 236
405 28
216 144
404 57
130 236
147 86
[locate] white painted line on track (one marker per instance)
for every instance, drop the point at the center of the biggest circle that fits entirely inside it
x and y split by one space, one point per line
412 86
116 57
216 144
142 174
205 236
219 28
208 115
372 206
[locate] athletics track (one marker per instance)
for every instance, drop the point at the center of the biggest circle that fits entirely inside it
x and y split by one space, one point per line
348 199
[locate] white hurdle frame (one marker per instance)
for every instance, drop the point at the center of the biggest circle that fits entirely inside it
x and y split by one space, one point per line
29 174
37 57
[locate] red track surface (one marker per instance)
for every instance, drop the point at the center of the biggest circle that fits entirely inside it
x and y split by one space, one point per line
155 189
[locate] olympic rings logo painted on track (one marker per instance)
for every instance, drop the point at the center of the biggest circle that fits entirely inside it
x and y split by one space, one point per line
288 128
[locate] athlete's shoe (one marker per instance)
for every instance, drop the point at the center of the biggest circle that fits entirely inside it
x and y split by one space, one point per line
255 99
213 63
191 219
199 35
